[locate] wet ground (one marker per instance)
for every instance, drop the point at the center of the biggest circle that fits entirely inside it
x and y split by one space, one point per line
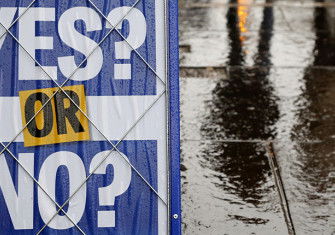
258 116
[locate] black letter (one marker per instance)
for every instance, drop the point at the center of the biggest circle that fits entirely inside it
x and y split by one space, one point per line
47 114
69 113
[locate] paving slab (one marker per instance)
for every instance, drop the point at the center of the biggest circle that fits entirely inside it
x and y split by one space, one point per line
226 119
228 189
252 73
307 170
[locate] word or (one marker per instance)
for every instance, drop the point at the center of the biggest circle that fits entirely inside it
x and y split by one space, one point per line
60 119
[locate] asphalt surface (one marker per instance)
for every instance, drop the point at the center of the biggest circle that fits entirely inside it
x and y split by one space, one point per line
258 116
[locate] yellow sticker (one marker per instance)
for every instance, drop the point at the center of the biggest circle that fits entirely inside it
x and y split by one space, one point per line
59 121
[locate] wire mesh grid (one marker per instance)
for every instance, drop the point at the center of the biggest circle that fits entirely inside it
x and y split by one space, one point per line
61 90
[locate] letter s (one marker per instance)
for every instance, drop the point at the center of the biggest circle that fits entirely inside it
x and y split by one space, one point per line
71 37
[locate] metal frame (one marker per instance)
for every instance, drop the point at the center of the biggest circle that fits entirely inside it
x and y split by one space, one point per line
174 117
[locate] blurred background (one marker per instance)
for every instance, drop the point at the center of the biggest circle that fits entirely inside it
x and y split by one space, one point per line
258 116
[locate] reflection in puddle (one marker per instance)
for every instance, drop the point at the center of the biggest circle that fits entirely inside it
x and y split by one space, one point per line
242 13
307 171
228 185
243 107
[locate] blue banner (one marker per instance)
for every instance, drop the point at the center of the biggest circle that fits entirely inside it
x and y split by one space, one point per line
66 47
135 209
57 157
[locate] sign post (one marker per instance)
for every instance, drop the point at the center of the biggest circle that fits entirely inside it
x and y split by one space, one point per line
89 122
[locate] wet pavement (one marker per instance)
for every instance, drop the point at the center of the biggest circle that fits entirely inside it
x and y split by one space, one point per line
256 74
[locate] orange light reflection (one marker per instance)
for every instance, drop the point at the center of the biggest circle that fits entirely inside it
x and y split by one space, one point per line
243 12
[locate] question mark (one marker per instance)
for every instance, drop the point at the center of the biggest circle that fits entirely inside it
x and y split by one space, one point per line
136 37
120 184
